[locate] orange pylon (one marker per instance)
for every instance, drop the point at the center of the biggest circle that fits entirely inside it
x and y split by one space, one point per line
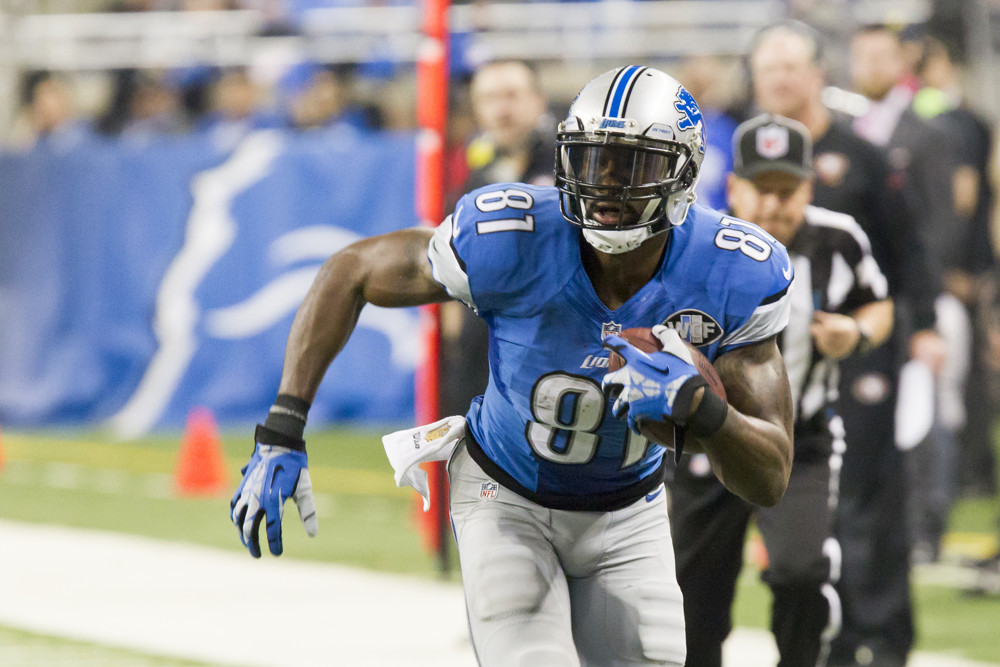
201 465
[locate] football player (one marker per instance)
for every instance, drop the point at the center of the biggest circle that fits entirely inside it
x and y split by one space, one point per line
556 499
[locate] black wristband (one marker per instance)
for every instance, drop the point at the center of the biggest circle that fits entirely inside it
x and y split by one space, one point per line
709 416
268 436
288 416
681 411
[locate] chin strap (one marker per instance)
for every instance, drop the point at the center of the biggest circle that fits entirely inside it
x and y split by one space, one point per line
677 208
616 242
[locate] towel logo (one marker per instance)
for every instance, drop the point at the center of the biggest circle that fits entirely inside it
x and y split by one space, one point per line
488 491
439 432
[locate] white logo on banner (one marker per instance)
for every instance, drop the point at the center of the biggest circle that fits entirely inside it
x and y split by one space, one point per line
211 232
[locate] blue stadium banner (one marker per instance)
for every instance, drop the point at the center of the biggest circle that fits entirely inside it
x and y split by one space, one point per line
139 280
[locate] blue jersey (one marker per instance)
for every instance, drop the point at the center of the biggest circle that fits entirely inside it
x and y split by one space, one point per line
544 427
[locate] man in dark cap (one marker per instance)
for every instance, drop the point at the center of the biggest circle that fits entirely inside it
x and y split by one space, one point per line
839 307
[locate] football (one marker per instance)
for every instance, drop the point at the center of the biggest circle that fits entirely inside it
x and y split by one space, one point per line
662 432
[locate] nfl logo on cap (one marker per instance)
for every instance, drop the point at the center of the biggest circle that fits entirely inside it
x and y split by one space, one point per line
488 491
769 143
772 141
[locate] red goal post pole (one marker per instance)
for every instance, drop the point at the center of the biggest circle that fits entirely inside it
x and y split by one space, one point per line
432 117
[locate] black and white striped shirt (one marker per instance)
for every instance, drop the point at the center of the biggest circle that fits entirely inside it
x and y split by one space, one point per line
834 272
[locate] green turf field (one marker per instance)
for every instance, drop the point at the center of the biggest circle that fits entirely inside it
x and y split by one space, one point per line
89 481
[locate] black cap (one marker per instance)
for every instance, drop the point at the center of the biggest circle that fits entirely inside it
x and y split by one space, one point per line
772 143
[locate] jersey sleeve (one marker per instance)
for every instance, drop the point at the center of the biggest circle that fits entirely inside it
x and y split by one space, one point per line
447 266
500 249
768 319
759 274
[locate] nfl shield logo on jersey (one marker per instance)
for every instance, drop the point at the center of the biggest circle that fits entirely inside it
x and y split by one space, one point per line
610 328
488 491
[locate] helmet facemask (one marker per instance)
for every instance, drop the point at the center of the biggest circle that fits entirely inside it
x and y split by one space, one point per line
620 185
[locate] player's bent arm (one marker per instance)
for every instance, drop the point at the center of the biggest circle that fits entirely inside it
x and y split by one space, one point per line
752 453
391 270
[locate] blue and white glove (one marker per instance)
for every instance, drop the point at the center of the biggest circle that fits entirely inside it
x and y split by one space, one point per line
273 475
653 385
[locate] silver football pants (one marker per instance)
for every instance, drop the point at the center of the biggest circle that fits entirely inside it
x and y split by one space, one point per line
564 588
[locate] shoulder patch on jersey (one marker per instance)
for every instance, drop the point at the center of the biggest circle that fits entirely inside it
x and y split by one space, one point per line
695 326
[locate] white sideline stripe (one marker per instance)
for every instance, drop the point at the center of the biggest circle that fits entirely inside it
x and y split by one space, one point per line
222 607
216 606
756 648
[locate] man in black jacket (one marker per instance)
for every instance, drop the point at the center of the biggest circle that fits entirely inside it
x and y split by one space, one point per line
513 144
839 308
853 176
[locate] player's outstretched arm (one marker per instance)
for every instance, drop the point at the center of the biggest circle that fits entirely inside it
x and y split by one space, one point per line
391 270
388 270
752 453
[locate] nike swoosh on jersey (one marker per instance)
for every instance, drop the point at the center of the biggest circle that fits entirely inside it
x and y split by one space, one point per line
650 497
787 271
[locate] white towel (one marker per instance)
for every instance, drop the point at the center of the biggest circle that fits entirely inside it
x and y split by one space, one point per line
914 404
408 449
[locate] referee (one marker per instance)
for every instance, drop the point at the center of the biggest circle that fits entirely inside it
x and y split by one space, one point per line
839 307
853 176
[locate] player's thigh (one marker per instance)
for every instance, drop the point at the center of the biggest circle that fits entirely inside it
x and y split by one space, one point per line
628 610
798 531
515 589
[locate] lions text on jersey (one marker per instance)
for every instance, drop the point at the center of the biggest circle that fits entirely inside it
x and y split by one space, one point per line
544 427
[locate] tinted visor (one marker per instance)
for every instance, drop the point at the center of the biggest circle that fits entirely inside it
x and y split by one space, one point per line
607 181
619 165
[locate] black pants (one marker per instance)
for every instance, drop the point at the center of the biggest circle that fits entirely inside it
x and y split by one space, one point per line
871 519
709 527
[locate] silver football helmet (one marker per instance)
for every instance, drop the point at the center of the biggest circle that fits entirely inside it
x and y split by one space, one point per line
627 157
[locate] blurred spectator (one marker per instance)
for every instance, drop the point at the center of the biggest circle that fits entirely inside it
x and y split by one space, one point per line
236 109
155 108
853 176
706 78
941 100
461 130
321 96
145 103
923 156
920 162
123 86
511 112
47 113
515 144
